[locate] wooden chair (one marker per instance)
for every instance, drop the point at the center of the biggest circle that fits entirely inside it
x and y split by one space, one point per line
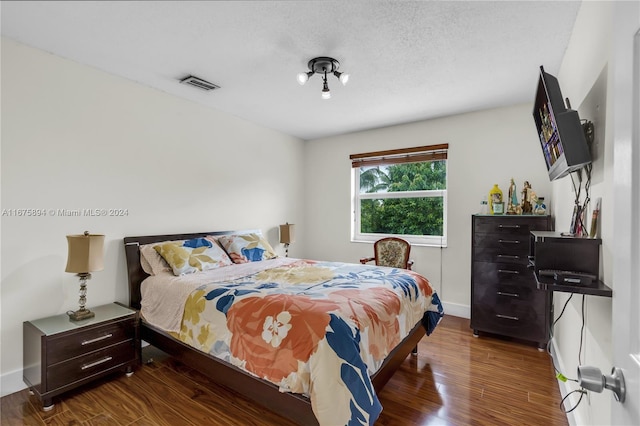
391 251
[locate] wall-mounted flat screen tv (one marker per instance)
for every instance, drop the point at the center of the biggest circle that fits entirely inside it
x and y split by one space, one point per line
561 135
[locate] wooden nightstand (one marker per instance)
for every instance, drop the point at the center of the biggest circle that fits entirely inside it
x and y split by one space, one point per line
60 354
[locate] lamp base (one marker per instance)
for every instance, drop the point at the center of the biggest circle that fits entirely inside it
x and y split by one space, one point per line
80 314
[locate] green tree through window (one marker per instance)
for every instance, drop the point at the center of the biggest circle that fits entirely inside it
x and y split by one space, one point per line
406 199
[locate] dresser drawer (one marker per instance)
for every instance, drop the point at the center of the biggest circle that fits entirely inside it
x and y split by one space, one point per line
481 254
508 243
84 366
89 339
510 225
508 294
521 320
502 273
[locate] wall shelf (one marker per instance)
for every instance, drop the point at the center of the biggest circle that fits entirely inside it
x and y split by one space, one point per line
596 289
554 251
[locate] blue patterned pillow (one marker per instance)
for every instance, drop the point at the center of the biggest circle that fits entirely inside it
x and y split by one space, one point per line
197 254
247 247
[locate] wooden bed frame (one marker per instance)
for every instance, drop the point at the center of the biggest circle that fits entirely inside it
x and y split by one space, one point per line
293 406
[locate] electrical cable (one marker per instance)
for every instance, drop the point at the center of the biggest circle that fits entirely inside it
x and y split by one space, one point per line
578 189
581 391
575 222
587 197
581 332
553 361
563 308
580 227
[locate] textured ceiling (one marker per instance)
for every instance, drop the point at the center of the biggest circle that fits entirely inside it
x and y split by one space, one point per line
408 60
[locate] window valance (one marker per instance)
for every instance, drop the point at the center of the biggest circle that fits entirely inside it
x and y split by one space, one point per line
399 156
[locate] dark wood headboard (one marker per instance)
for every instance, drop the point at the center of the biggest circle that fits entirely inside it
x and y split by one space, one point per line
135 272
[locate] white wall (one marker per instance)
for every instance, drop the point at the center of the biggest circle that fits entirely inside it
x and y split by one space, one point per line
74 137
584 78
485 147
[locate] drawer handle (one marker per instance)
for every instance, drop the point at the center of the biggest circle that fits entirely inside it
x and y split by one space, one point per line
509 241
500 293
97 339
507 271
510 256
510 226
100 361
508 317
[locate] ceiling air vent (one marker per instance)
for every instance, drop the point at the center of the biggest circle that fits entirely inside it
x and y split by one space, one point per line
199 83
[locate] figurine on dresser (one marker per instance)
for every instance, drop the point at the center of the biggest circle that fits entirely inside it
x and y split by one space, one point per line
512 207
528 198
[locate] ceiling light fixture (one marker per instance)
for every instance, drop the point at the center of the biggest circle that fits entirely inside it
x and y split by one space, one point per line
323 65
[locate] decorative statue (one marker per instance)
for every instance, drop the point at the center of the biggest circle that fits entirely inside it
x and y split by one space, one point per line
513 198
527 195
540 207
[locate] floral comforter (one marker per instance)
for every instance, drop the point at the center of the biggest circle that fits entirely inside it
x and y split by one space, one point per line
317 328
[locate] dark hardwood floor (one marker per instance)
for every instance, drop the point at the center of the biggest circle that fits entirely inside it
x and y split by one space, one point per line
455 380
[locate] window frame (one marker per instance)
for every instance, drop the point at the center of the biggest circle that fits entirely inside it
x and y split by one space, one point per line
408 155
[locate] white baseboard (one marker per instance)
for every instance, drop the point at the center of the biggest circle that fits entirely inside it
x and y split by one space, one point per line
573 417
457 310
11 383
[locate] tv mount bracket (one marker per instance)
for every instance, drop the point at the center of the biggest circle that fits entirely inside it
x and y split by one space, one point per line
588 129
587 126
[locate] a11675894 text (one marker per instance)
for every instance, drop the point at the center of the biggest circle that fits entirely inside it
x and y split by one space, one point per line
32 212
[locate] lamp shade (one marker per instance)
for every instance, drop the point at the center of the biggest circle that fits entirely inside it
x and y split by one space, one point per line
287 233
85 253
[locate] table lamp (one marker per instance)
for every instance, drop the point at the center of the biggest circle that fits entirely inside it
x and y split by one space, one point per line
85 256
287 236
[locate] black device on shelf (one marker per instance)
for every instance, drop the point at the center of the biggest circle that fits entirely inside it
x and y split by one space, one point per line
573 278
566 263
562 137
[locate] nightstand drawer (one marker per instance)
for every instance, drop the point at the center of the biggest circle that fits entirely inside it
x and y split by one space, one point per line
87 340
85 366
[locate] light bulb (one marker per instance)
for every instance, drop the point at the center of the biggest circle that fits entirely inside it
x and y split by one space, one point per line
303 77
344 78
326 94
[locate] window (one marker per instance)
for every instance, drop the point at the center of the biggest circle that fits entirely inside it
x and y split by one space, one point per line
401 192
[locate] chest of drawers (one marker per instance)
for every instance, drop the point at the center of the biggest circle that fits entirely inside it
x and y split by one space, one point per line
60 354
504 296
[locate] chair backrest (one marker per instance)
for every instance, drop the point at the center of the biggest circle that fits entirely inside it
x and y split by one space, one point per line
393 252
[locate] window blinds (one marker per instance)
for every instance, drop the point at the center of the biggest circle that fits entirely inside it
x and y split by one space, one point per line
399 156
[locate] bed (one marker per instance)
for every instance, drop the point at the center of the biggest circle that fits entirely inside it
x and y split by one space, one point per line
299 337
